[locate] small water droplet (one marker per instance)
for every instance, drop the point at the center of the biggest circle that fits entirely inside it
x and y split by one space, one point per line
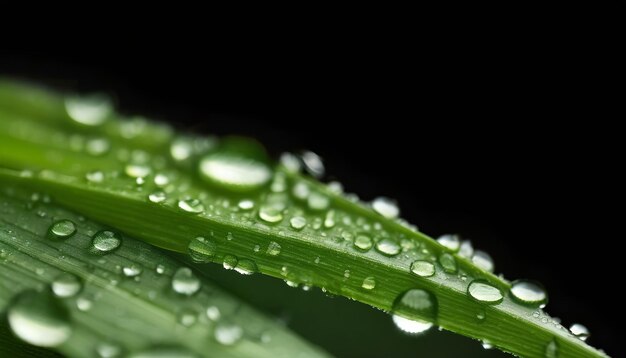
386 207
108 350
234 172
579 331
482 291
388 247
270 215
201 250
157 197
246 267
487 345
213 313
301 191
481 315
62 229
160 269
97 146
363 242
466 249
552 349
318 201
273 248
230 262
297 222
187 317
227 333
329 220
132 270
528 293
193 206
95 176
39 319
423 268
185 282
450 241
291 163
137 170
483 260
88 110
161 180
105 241
84 304
313 164
66 285
369 283
246 204
181 149
448 262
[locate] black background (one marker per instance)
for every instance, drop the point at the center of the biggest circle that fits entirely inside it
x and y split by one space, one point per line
510 149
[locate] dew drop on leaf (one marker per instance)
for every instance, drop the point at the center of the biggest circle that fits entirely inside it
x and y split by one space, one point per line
61 229
108 350
412 327
448 262
313 164
201 250
157 197
187 317
363 242
291 163
137 170
185 282
66 285
270 215
528 293
483 260
95 176
423 268
246 204
91 110
132 270
105 241
230 262
161 180
318 201
193 206
482 291
227 333
39 319
273 248
386 207
297 222
450 241
552 349
369 283
213 313
420 305
234 172
388 247
246 267
579 331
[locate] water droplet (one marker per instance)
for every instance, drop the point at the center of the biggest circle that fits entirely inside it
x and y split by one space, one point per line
97 146
62 229
273 248
95 176
363 242
157 197
181 149
270 215
246 204
193 206
161 180
423 268
105 241
291 163
298 222
418 304
137 170
301 191
329 220
386 207
39 319
84 304
487 345
201 250
160 269
413 327
88 110
484 292
213 313
450 241
552 349
227 333
246 267
448 262
132 270
185 282
66 285
187 317
466 249
313 164
528 293
369 283
234 172
388 247
579 331
481 315
108 350
279 184
230 262
318 201
483 260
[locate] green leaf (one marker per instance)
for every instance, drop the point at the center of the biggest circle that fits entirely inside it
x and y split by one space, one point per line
61 292
223 203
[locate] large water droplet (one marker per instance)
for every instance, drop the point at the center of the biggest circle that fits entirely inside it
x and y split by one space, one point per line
270 215
301 191
201 249
318 201
230 262
291 163
273 248
161 180
95 176
423 268
185 282
193 206
39 319
313 164
246 204
108 350
466 249
450 241
66 285
227 333
62 229
388 247
413 327
369 283
448 262
132 270
363 242
213 313
246 267
528 293
105 241
386 207
484 292
234 172
483 260
579 331
181 149
420 305
297 222
552 349
137 170
88 110
157 197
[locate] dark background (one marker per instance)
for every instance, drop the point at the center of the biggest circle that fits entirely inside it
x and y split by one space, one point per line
509 148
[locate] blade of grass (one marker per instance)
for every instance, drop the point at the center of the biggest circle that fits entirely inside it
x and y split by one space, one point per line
123 299
299 230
